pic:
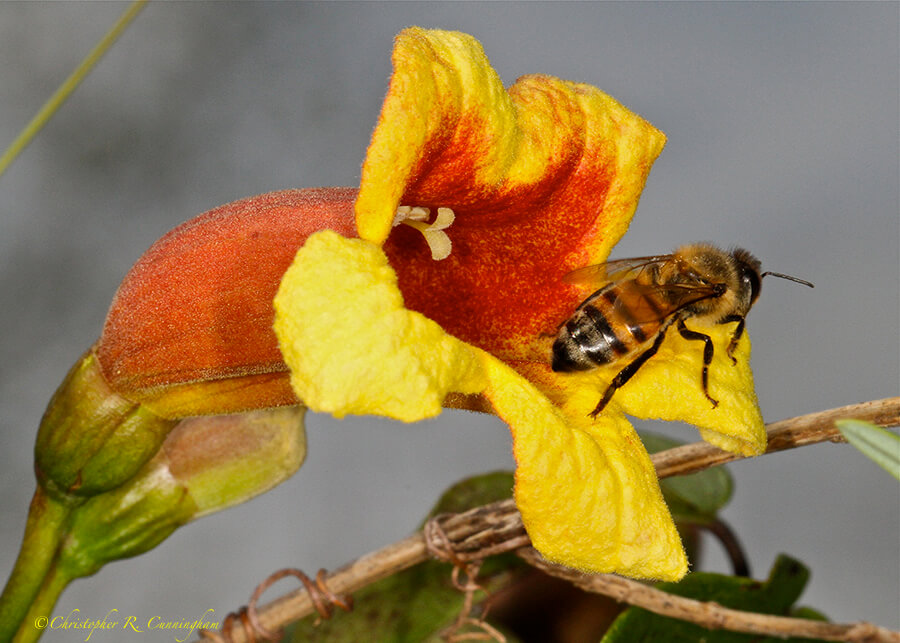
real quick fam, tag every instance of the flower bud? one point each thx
(91, 439)
(205, 464)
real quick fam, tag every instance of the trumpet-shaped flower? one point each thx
(438, 283)
(541, 178)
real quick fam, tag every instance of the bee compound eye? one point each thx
(753, 283)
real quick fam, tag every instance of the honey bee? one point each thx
(641, 298)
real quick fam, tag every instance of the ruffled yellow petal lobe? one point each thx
(351, 345)
(450, 134)
(439, 76)
(587, 491)
(668, 387)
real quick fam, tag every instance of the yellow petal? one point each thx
(668, 387)
(351, 345)
(547, 151)
(439, 76)
(587, 491)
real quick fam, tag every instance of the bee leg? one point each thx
(707, 355)
(628, 372)
(737, 334)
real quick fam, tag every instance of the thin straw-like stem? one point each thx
(63, 91)
(498, 526)
(707, 614)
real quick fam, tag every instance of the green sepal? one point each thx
(126, 522)
(91, 439)
(774, 596)
(205, 464)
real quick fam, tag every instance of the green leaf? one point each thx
(876, 443)
(696, 497)
(808, 613)
(416, 604)
(775, 596)
(409, 607)
(474, 492)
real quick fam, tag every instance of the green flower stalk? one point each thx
(205, 464)
(90, 440)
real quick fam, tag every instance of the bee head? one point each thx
(751, 278)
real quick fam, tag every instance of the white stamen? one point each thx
(435, 237)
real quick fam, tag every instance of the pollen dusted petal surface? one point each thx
(543, 178)
(587, 491)
(351, 345)
(668, 387)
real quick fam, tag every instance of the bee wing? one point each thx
(644, 303)
(615, 270)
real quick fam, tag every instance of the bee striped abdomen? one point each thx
(601, 331)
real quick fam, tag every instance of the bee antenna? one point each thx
(788, 277)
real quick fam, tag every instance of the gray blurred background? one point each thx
(783, 137)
